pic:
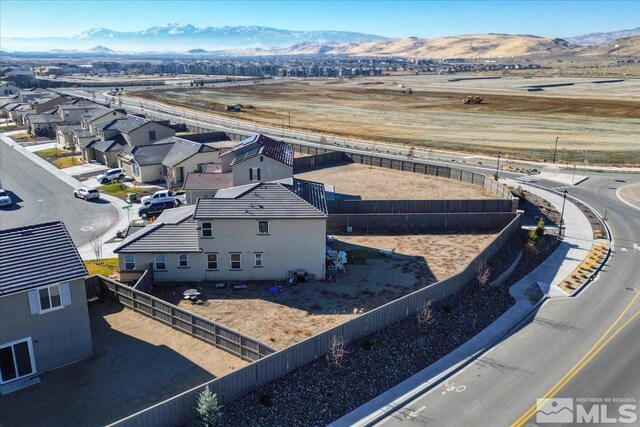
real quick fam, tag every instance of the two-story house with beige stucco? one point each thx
(259, 231)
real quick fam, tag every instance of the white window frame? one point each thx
(231, 261)
(254, 174)
(201, 167)
(155, 262)
(263, 232)
(186, 261)
(202, 229)
(51, 307)
(259, 260)
(31, 356)
(135, 168)
(125, 262)
(216, 261)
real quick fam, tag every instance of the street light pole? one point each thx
(564, 199)
(555, 150)
(498, 167)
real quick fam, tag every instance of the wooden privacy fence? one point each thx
(316, 160)
(418, 206)
(179, 409)
(210, 332)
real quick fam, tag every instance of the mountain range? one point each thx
(253, 40)
(175, 37)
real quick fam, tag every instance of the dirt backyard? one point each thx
(376, 183)
(370, 279)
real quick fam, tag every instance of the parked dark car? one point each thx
(154, 209)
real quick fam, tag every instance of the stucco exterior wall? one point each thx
(140, 136)
(191, 164)
(291, 244)
(270, 170)
(59, 337)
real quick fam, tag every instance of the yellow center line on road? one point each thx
(584, 360)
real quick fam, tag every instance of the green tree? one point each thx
(208, 408)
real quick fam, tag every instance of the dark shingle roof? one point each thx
(301, 199)
(182, 150)
(115, 144)
(203, 138)
(261, 145)
(45, 118)
(146, 155)
(163, 238)
(37, 255)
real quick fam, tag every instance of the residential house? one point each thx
(44, 319)
(41, 105)
(7, 88)
(43, 124)
(259, 231)
(173, 157)
(258, 159)
(205, 184)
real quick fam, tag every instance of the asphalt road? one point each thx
(503, 384)
(39, 197)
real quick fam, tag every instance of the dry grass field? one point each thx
(376, 183)
(370, 280)
(596, 121)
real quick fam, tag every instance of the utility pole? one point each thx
(564, 199)
(574, 175)
(498, 167)
(555, 150)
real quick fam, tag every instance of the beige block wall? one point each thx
(291, 244)
(270, 170)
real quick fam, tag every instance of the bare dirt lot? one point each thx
(597, 121)
(370, 280)
(138, 363)
(376, 183)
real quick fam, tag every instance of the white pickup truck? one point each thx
(163, 196)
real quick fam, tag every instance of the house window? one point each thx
(207, 229)
(160, 262)
(202, 167)
(235, 261)
(212, 261)
(135, 169)
(152, 135)
(183, 260)
(16, 360)
(49, 298)
(258, 259)
(129, 262)
(254, 174)
(263, 227)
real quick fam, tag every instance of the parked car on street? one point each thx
(111, 175)
(86, 193)
(154, 209)
(5, 199)
(163, 196)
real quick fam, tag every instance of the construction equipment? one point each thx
(472, 100)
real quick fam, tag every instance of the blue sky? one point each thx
(393, 19)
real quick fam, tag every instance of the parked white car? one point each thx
(86, 193)
(163, 196)
(111, 174)
(5, 199)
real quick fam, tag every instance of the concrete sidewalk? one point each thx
(560, 264)
(86, 251)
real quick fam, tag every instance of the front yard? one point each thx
(121, 190)
(107, 267)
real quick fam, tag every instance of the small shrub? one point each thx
(424, 316)
(337, 352)
(540, 227)
(208, 408)
(483, 273)
(266, 399)
(533, 235)
(367, 344)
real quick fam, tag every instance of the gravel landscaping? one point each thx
(317, 395)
